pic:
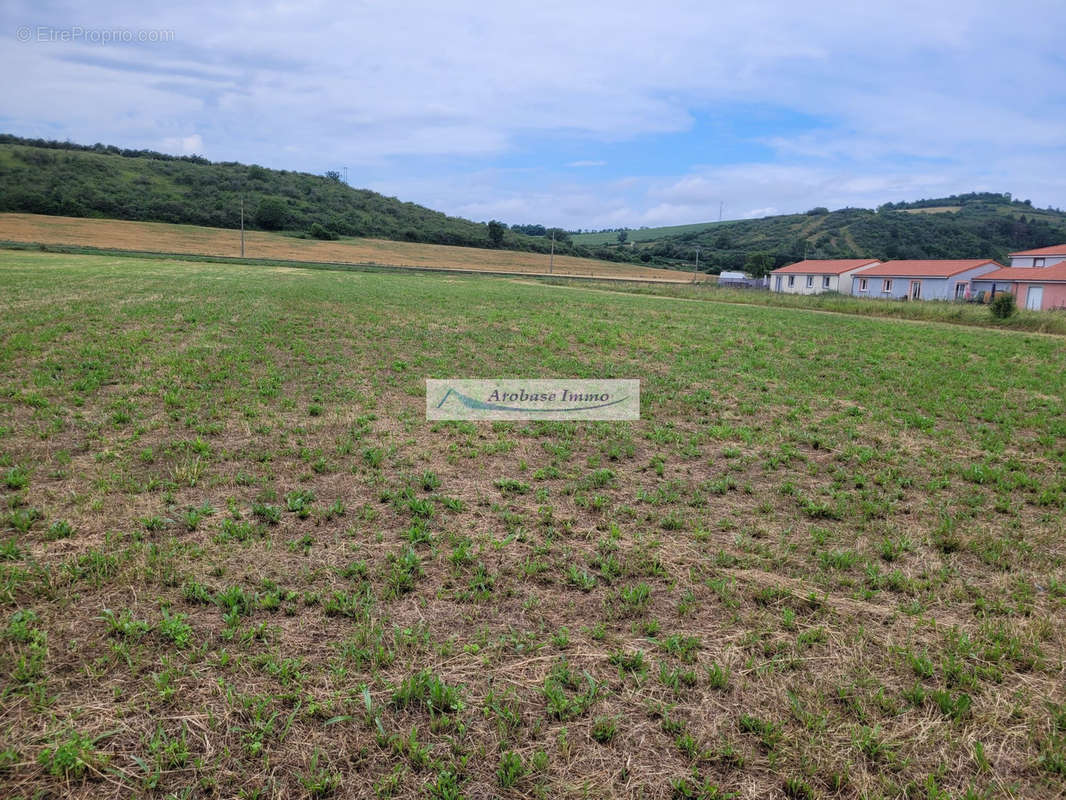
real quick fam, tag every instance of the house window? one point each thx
(886, 285)
(825, 282)
(960, 290)
(791, 281)
(862, 284)
(810, 281)
(1038, 262)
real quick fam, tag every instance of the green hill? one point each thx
(639, 234)
(976, 225)
(104, 181)
(46, 177)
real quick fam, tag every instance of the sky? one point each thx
(584, 115)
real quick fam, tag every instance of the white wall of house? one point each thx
(887, 287)
(1036, 261)
(893, 287)
(813, 284)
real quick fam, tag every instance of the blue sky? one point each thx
(584, 115)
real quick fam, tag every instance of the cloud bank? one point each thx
(592, 115)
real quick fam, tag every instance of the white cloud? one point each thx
(184, 145)
(423, 98)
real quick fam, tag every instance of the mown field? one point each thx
(936, 311)
(641, 234)
(160, 237)
(236, 561)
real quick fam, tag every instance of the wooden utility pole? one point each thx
(242, 226)
(696, 270)
(551, 258)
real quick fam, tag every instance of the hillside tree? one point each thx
(271, 213)
(496, 230)
(759, 264)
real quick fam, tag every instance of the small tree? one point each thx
(623, 235)
(496, 230)
(759, 264)
(271, 214)
(320, 231)
(333, 175)
(1003, 305)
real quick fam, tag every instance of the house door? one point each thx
(1034, 300)
(916, 290)
(777, 284)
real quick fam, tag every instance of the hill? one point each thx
(638, 234)
(976, 225)
(61, 178)
(103, 181)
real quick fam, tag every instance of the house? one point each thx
(726, 278)
(1040, 257)
(741, 280)
(1035, 288)
(934, 279)
(818, 275)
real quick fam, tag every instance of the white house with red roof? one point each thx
(1036, 278)
(815, 276)
(1040, 257)
(930, 279)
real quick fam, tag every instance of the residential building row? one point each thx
(1037, 278)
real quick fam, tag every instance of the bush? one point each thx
(1003, 305)
(496, 231)
(271, 214)
(321, 232)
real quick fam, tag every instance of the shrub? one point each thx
(319, 231)
(1003, 305)
(271, 214)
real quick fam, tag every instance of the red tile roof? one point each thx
(824, 266)
(1053, 274)
(1054, 250)
(931, 268)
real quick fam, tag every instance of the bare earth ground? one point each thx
(236, 561)
(166, 238)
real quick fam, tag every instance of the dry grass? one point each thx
(188, 239)
(839, 553)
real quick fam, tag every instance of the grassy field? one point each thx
(952, 313)
(236, 561)
(166, 238)
(933, 210)
(642, 234)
